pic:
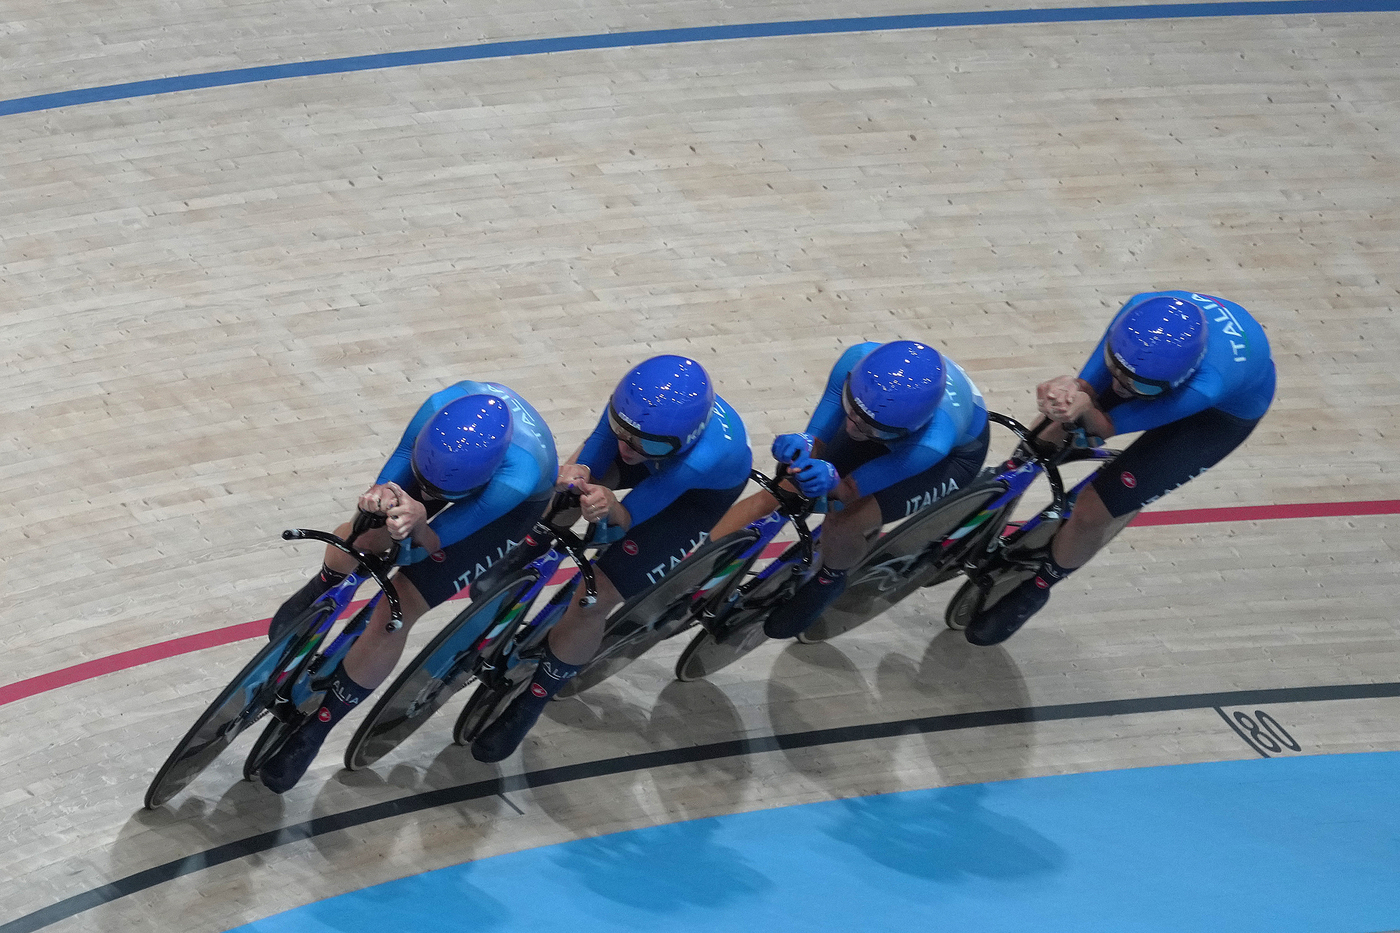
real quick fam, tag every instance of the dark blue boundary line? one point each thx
(447, 796)
(463, 53)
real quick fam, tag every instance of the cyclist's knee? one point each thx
(1090, 513)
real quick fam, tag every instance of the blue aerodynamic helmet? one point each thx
(461, 446)
(895, 388)
(661, 406)
(1156, 346)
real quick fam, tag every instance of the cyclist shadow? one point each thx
(245, 810)
(662, 868)
(453, 825)
(953, 676)
(816, 687)
(946, 835)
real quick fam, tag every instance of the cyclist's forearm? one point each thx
(425, 537)
(618, 516)
(1097, 423)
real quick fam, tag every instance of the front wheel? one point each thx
(662, 610)
(926, 550)
(442, 668)
(240, 704)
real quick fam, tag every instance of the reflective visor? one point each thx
(428, 491)
(652, 446)
(1142, 388)
(881, 432)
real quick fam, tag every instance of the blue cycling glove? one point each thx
(814, 478)
(787, 448)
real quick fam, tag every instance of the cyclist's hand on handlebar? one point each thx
(1063, 399)
(814, 478)
(595, 501)
(788, 448)
(406, 517)
(379, 499)
(572, 475)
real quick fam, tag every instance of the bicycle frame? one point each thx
(1018, 478)
(557, 543)
(791, 508)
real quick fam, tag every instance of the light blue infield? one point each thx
(1278, 845)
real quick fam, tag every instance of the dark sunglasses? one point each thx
(857, 413)
(1142, 388)
(652, 446)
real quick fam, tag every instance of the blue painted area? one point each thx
(1275, 846)
(694, 34)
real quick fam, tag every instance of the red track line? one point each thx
(248, 630)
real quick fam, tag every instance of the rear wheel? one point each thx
(489, 700)
(739, 629)
(442, 668)
(276, 733)
(240, 704)
(919, 553)
(662, 610)
(1024, 551)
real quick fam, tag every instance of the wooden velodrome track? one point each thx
(221, 305)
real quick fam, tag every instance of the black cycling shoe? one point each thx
(995, 625)
(281, 772)
(503, 737)
(796, 615)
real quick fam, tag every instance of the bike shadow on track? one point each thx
(673, 799)
(956, 677)
(813, 687)
(193, 825)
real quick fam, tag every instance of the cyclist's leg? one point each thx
(846, 535)
(374, 654)
(1161, 460)
(642, 558)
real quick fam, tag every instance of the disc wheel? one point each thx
(271, 739)
(489, 700)
(442, 668)
(919, 553)
(986, 590)
(240, 704)
(663, 610)
(740, 630)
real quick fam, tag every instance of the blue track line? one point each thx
(463, 53)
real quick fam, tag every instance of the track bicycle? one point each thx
(680, 600)
(966, 533)
(732, 606)
(490, 642)
(282, 678)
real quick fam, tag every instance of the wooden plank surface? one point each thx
(220, 308)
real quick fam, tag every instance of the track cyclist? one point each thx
(898, 427)
(1191, 371)
(684, 455)
(473, 472)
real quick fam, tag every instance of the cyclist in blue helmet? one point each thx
(899, 426)
(471, 475)
(683, 454)
(1194, 373)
